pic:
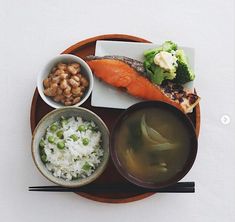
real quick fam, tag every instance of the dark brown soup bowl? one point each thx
(186, 166)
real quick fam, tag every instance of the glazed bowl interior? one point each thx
(64, 58)
(66, 112)
(123, 164)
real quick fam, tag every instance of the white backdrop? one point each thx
(32, 32)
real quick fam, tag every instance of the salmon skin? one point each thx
(127, 73)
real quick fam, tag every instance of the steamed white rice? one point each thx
(76, 159)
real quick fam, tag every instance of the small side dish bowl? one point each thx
(64, 152)
(153, 144)
(66, 59)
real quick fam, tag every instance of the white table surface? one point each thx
(34, 31)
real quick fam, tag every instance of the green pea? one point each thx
(53, 128)
(74, 137)
(81, 128)
(41, 143)
(85, 141)
(60, 145)
(51, 139)
(60, 134)
(86, 166)
(92, 128)
(44, 158)
(64, 122)
(89, 127)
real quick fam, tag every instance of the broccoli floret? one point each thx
(169, 46)
(181, 56)
(156, 74)
(160, 75)
(183, 72)
(152, 52)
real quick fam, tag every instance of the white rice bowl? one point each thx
(76, 160)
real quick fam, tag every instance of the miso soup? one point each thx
(153, 144)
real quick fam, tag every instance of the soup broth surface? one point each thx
(153, 144)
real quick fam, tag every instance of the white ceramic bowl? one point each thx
(55, 115)
(65, 58)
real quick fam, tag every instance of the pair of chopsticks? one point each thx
(180, 187)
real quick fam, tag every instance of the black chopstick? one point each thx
(107, 186)
(180, 187)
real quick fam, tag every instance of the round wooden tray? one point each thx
(39, 108)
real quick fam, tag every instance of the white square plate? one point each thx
(107, 96)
